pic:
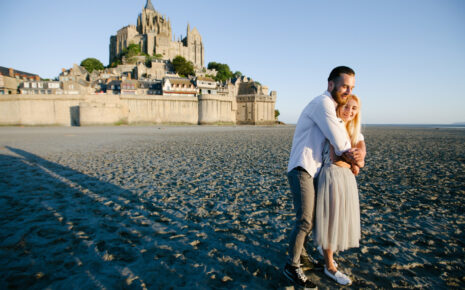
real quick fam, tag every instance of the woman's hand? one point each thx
(355, 169)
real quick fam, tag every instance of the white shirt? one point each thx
(317, 122)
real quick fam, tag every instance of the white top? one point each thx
(317, 122)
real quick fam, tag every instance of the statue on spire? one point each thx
(149, 5)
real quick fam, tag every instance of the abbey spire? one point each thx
(149, 5)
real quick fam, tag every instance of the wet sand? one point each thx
(210, 207)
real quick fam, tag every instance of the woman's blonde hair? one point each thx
(354, 127)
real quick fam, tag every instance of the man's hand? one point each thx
(358, 155)
(355, 156)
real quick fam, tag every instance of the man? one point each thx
(317, 122)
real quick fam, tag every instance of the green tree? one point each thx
(149, 59)
(115, 62)
(224, 72)
(129, 53)
(182, 66)
(132, 50)
(237, 74)
(276, 114)
(91, 64)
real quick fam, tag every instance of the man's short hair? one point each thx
(337, 71)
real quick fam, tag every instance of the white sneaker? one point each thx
(320, 250)
(339, 277)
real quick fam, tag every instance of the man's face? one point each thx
(341, 88)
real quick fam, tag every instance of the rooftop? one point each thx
(6, 72)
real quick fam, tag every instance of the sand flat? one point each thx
(209, 207)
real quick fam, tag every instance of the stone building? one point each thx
(74, 81)
(206, 85)
(10, 80)
(41, 88)
(154, 35)
(179, 87)
(255, 105)
(157, 69)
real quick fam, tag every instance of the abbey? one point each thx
(153, 34)
(141, 88)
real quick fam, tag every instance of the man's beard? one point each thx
(338, 97)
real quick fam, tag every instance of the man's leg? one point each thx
(303, 192)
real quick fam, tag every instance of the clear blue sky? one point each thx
(409, 55)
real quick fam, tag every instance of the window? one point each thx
(53, 85)
(26, 84)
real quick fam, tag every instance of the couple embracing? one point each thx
(327, 152)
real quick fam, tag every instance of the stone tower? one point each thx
(154, 35)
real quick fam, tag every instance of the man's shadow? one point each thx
(60, 227)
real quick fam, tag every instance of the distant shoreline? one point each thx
(425, 126)
(442, 126)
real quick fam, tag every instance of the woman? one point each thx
(337, 218)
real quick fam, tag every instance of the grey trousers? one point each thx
(303, 192)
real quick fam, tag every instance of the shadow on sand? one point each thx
(61, 228)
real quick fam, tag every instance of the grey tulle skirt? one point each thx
(337, 217)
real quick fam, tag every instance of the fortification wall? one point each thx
(161, 109)
(264, 113)
(38, 109)
(101, 110)
(216, 109)
(107, 109)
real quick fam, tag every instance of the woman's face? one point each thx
(349, 110)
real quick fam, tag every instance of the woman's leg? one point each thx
(332, 271)
(329, 260)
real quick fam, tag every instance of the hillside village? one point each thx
(147, 86)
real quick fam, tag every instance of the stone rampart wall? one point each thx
(104, 109)
(161, 109)
(108, 109)
(37, 109)
(216, 109)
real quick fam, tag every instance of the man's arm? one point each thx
(326, 119)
